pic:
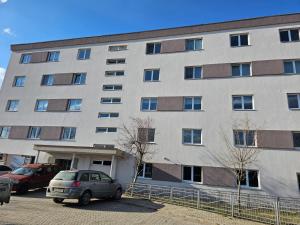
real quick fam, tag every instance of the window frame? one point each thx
(152, 75)
(106, 130)
(194, 44)
(37, 104)
(109, 115)
(81, 79)
(34, 133)
(112, 100)
(113, 87)
(114, 73)
(69, 106)
(49, 76)
(241, 69)
(298, 99)
(293, 61)
(192, 174)
(194, 72)
(8, 105)
(192, 130)
(246, 186)
(239, 39)
(193, 103)
(243, 103)
(118, 48)
(289, 35)
(15, 81)
(28, 57)
(245, 138)
(149, 106)
(295, 132)
(85, 53)
(50, 58)
(7, 129)
(154, 48)
(116, 61)
(69, 134)
(144, 171)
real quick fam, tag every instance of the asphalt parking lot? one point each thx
(34, 209)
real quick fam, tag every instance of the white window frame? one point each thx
(48, 83)
(289, 34)
(154, 48)
(85, 53)
(149, 106)
(55, 57)
(114, 73)
(6, 130)
(113, 87)
(69, 129)
(294, 66)
(243, 103)
(81, 75)
(192, 174)
(192, 135)
(111, 100)
(74, 109)
(37, 104)
(193, 103)
(109, 115)
(194, 73)
(298, 99)
(27, 57)
(239, 39)
(246, 186)
(144, 169)
(241, 69)
(116, 61)
(36, 133)
(245, 138)
(23, 78)
(117, 48)
(16, 108)
(106, 130)
(194, 44)
(152, 74)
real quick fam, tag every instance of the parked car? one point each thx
(4, 169)
(32, 176)
(83, 185)
(5, 189)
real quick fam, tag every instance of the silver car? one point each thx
(5, 190)
(82, 185)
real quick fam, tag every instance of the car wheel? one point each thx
(118, 194)
(85, 198)
(22, 189)
(58, 200)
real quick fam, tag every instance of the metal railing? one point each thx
(261, 208)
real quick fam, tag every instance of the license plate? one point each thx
(61, 190)
(2, 189)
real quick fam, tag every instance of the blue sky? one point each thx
(23, 21)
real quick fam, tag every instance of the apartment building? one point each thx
(65, 101)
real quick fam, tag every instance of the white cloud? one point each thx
(2, 73)
(8, 31)
(3, 1)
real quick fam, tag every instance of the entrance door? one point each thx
(64, 164)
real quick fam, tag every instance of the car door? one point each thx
(95, 184)
(105, 185)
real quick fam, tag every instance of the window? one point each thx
(19, 81)
(289, 35)
(105, 177)
(79, 78)
(115, 61)
(145, 170)
(241, 70)
(106, 163)
(53, 56)
(84, 53)
(238, 40)
(296, 139)
(149, 104)
(47, 80)
(108, 115)
(153, 48)
(193, 44)
(34, 133)
(192, 136)
(151, 75)
(84, 177)
(242, 102)
(250, 179)
(41, 105)
(68, 133)
(192, 72)
(146, 135)
(192, 103)
(117, 48)
(95, 177)
(292, 67)
(294, 101)
(192, 173)
(74, 104)
(106, 129)
(4, 132)
(110, 100)
(115, 73)
(298, 179)
(112, 87)
(244, 138)
(12, 105)
(25, 58)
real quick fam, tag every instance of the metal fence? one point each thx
(261, 208)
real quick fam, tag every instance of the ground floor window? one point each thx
(145, 170)
(101, 162)
(192, 173)
(298, 179)
(250, 179)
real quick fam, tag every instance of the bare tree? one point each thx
(134, 139)
(242, 152)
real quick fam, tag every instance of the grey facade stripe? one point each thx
(267, 67)
(51, 133)
(18, 132)
(57, 105)
(38, 57)
(218, 176)
(275, 139)
(172, 46)
(166, 172)
(172, 103)
(216, 70)
(63, 79)
(229, 25)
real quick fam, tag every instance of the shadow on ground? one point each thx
(36, 193)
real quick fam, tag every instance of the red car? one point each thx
(32, 176)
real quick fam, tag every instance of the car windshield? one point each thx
(66, 175)
(24, 171)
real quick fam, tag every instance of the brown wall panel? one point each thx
(174, 103)
(18, 132)
(217, 70)
(63, 79)
(38, 57)
(166, 172)
(51, 133)
(267, 67)
(173, 46)
(277, 139)
(57, 105)
(218, 176)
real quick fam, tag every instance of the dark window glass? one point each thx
(288, 67)
(148, 170)
(235, 70)
(284, 36)
(197, 174)
(153, 48)
(197, 103)
(245, 69)
(155, 75)
(244, 39)
(248, 102)
(293, 102)
(238, 137)
(151, 135)
(297, 66)
(148, 75)
(237, 102)
(243, 178)
(187, 136)
(84, 177)
(250, 138)
(253, 178)
(188, 74)
(106, 163)
(296, 138)
(188, 103)
(19, 81)
(79, 78)
(47, 80)
(234, 41)
(294, 35)
(141, 170)
(111, 129)
(196, 136)
(298, 178)
(84, 53)
(187, 173)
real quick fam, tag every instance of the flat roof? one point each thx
(228, 25)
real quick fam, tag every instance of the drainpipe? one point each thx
(112, 166)
(72, 162)
(37, 157)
